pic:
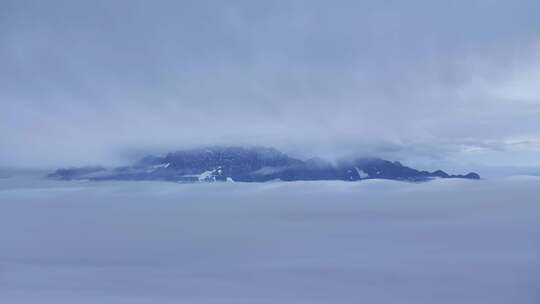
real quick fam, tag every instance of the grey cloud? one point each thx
(87, 81)
(447, 241)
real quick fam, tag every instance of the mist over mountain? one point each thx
(251, 164)
(269, 152)
(422, 82)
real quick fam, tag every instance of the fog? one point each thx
(439, 84)
(449, 85)
(446, 241)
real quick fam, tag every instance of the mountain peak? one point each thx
(251, 164)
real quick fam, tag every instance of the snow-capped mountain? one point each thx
(254, 164)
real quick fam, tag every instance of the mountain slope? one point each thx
(254, 164)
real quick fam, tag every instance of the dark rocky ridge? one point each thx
(250, 165)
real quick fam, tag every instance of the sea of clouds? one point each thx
(446, 241)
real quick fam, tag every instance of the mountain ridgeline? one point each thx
(239, 164)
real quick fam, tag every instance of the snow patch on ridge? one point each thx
(206, 176)
(361, 173)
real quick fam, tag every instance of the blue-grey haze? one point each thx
(447, 241)
(451, 84)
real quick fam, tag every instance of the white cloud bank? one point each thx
(447, 241)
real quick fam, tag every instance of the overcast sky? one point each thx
(453, 82)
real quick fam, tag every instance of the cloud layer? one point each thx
(447, 241)
(417, 80)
